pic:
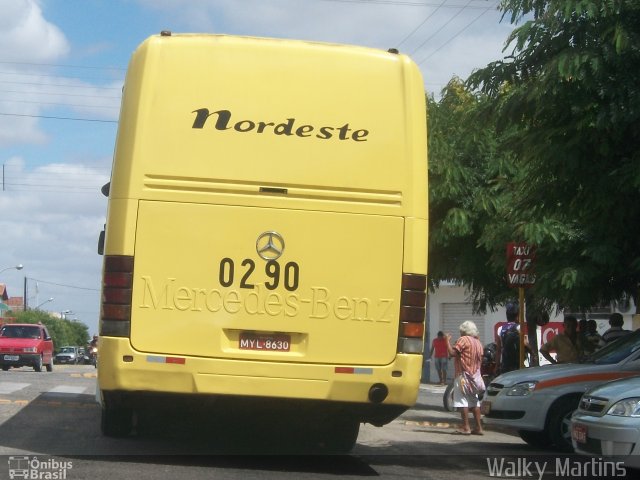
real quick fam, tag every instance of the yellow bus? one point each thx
(266, 234)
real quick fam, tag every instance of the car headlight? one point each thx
(30, 350)
(521, 389)
(629, 407)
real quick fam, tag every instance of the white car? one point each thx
(607, 422)
(538, 402)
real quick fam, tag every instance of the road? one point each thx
(51, 422)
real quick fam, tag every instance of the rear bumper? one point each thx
(65, 360)
(21, 359)
(611, 436)
(128, 374)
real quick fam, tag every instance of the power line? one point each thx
(61, 77)
(49, 117)
(452, 38)
(57, 65)
(423, 22)
(440, 29)
(60, 85)
(63, 285)
(404, 3)
(72, 187)
(66, 191)
(31, 92)
(86, 105)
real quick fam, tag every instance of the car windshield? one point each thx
(617, 351)
(67, 350)
(13, 331)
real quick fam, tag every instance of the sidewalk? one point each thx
(428, 428)
(429, 411)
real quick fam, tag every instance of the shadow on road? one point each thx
(68, 425)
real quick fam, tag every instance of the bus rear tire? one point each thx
(116, 421)
(340, 436)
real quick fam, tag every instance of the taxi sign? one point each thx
(520, 261)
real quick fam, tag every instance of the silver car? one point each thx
(68, 355)
(538, 402)
(607, 422)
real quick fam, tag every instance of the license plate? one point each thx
(485, 407)
(11, 358)
(579, 433)
(270, 343)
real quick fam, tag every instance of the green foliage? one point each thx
(470, 188)
(543, 146)
(63, 332)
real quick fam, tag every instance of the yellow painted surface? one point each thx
(223, 139)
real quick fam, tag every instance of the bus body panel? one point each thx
(199, 283)
(224, 139)
(203, 376)
(330, 124)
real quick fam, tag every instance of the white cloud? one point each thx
(51, 219)
(26, 38)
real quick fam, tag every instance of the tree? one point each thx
(469, 188)
(566, 103)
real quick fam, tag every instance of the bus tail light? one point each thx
(413, 312)
(117, 284)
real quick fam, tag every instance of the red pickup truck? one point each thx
(25, 344)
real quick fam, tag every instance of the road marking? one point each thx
(11, 387)
(4, 401)
(67, 389)
(85, 375)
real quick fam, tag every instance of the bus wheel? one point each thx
(116, 421)
(340, 436)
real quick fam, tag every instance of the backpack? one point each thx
(510, 358)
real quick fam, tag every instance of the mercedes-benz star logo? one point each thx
(270, 245)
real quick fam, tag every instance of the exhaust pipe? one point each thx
(378, 393)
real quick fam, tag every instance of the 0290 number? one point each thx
(288, 275)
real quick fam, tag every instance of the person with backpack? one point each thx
(508, 342)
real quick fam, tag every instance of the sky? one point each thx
(62, 68)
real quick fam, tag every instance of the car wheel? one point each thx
(116, 421)
(535, 439)
(38, 365)
(5, 368)
(447, 398)
(559, 423)
(49, 366)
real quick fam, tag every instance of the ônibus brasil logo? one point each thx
(32, 468)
